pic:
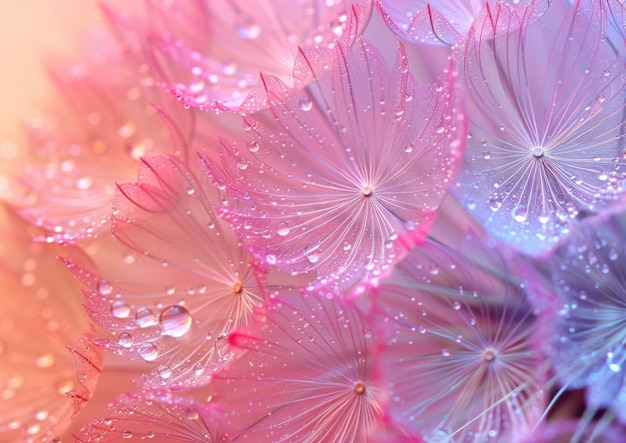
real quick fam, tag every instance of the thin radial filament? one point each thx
(359, 388)
(238, 287)
(537, 152)
(366, 191)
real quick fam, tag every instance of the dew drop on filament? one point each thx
(175, 321)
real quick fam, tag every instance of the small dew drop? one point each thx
(125, 340)
(445, 352)
(270, 259)
(253, 146)
(148, 352)
(164, 372)
(495, 204)
(175, 321)
(127, 434)
(306, 104)
(282, 229)
(520, 213)
(104, 287)
(119, 309)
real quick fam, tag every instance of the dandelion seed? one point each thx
(560, 152)
(339, 173)
(309, 360)
(460, 359)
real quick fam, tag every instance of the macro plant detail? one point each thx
(543, 147)
(322, 221)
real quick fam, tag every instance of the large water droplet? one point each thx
(247, 28)
(537, 151)
(148, 352)
(120, 309)
(175, 321)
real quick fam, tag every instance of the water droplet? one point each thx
(520, 213)
(253, 146)
(306, 104)
(433, 270)
(247, 28)
(537, 151)
(544, 218)
(125, 340)
(282, 229)
(601, 98)
(270, 259)
(119, 309)
(495, 204)
(613, 255)
(445, 352)
(127, 434)
(408, 149)
(456, 305)
(148, 352)
(145, 318)
(164, 372)
(366, 191)
(104, 287)
(347, 246)
(312, 252)
(175, 321)
(487, 155)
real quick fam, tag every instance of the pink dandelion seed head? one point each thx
(545, 105)
(340, 177)
(203, 284)
(304, 371)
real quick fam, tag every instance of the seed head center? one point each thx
(489, 355)
(359, 388)
(238, 288)
(366, 191)
(537, 152)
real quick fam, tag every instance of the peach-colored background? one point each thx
(32, 31)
